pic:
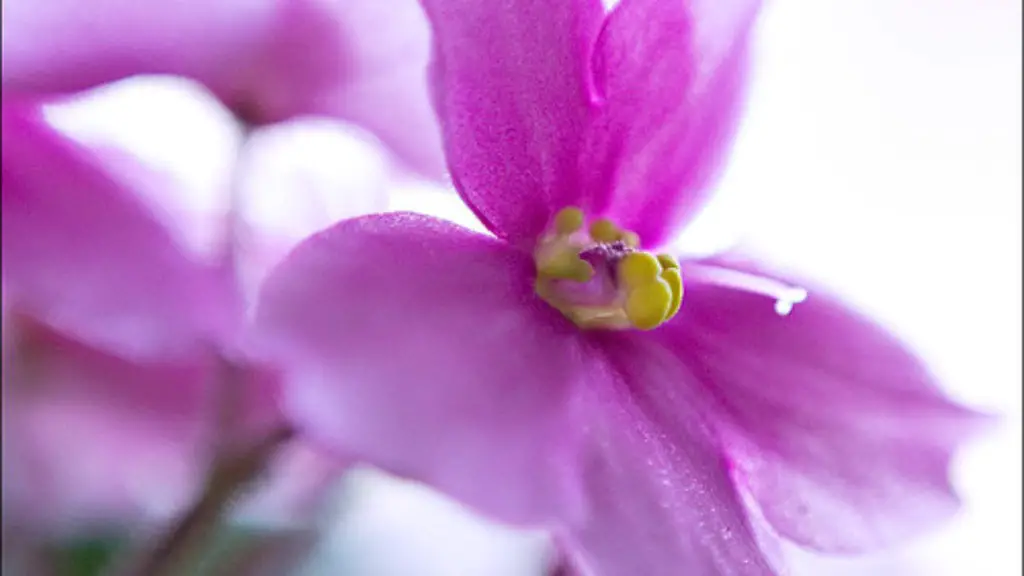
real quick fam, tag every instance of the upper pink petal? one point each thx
(82, 252)
(511, 90)
(268, 60)
(419, 346)
(839, 432)
(660, 496)
(671, 75)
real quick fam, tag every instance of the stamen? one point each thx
(785, 295)
(604, 230)
(613, 284)
(568, 221)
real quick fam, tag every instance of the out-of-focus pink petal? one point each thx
(92, 438)
(295, 488)
(82, 253)
(301, 156)
(421, 347)
(387, 49)
(671, 75)
(511, 89)
(65, 46)
(299, 474)
(268, 60)
(838, 431)
(661, 498)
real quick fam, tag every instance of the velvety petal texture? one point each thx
(268, 60)
(670, 76)
(419, 346)
(660, 496)
(510, 84)
(838, 431)
(82, 253)
(544, 107)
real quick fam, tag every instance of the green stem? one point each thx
(179, 546)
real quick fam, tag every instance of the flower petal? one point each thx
(839, 432)
(93, 438)
(267, 60)
(672, 74)
(511, 90)
(83, 254)
(386, 90)
(661, 499)
(421, 347)
(90, 437)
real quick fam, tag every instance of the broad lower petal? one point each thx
(82, 253)
(511, 88)
(419, 346)
(839, 432)
(671, 75)
(661, 498)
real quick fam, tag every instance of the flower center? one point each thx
(599, 278)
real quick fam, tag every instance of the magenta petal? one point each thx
(90, 437)
(263, 57)
(420, 346)
(672, 75)
(838, 431)
(268, 60)
(385, 92)
(661, 498)
(511, 90)
(83, 254)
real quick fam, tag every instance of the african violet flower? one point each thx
(268, 60)
(112, 334)
(565, 372)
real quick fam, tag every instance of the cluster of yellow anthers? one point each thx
(649, 288)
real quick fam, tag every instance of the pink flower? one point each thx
(563, 372)
(268, 60)
(114, 337)
(83, 253)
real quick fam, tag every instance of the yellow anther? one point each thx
(674, 280)
(647, 306)
(638, 268)
(632, 239)
(568, 220)
(567, 266)
(605, 231)
(668, 261)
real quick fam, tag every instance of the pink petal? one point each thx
(672, 74)
(387, 50)
(510, 82)
(662, 501)
(90, 437)
(420, 346)
(837, 429)
(83, 254)
(268, 60)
